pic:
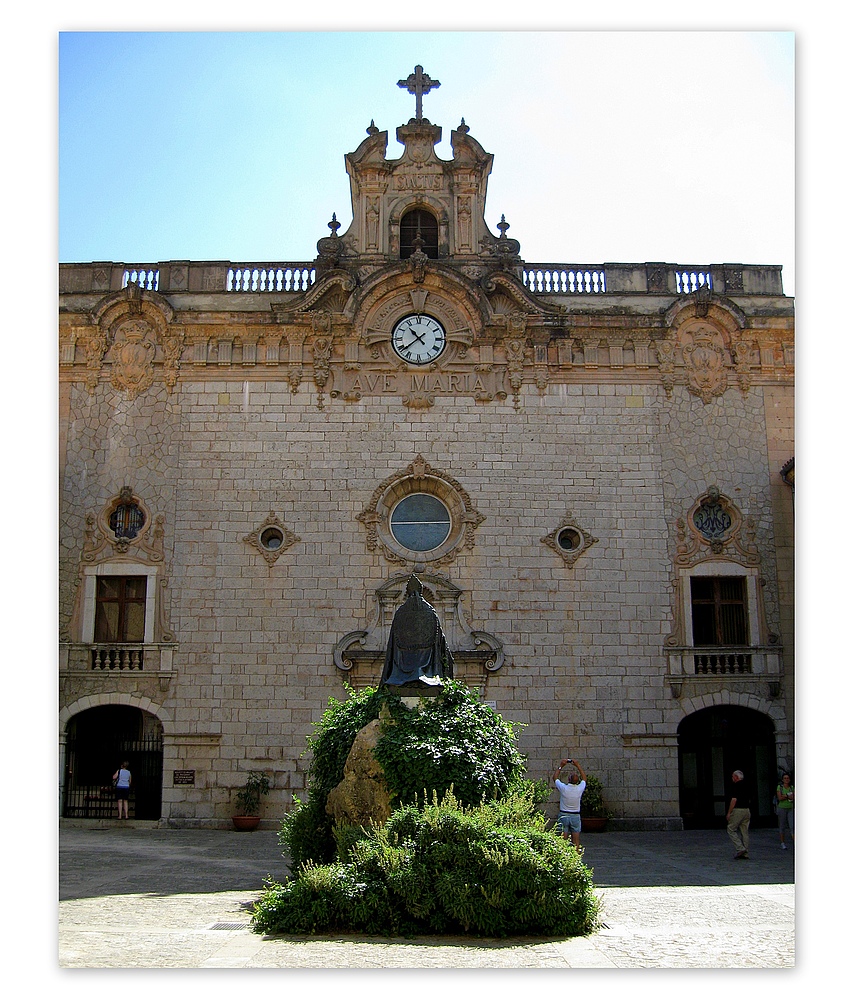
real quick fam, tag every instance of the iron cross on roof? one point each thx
(419, 83)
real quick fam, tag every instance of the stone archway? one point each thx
(98, 740)
(712, 743)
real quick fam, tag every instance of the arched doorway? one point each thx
(98, 741)
(714, 742)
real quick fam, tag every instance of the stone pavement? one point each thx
(133, 896)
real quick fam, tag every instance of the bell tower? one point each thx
(417, 202)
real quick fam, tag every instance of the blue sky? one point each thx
(609, 146)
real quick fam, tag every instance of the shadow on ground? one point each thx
(122, 861)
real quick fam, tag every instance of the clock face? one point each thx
(418, 339)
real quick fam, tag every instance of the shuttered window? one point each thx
(719, 610)
(120, 609)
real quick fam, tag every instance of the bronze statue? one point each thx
(417, 651)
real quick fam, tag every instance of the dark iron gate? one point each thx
(714, 742)
(98, 742)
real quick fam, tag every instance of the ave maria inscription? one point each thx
(419, 388)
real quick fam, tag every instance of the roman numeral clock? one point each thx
(418, 339)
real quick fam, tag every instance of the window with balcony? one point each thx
(720, 622)
(719, 610)
(120, 609)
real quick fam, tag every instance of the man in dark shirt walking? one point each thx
(738, 816)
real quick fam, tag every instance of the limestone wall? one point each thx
(584, 665)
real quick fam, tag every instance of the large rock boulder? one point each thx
(362, 798)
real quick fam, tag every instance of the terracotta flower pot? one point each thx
(245, 822)
(593, 824)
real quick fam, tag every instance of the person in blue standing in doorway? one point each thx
(571, 791)
(123, 779)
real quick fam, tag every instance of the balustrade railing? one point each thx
(145, 275)
(269, 277)
(729, 662)
(564, 279)
(540, 279)
(687, 281)
(116, 657)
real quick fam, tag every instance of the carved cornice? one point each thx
(511, 286)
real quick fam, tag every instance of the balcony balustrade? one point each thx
(117, 659)
(723, 663)
(539, 279)
(704, 667)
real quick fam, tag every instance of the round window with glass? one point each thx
(420, 522)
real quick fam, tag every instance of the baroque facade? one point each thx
(589, 468)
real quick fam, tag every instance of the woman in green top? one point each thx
(786, 796)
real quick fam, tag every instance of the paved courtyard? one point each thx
(137, 897)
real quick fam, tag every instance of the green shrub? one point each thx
(490, 870)
(453, 741)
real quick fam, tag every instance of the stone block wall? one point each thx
(584, 656)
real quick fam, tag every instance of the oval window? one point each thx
(126, 520)
(420, 522)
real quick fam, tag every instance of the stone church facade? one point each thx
(589, 467)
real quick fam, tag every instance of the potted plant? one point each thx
(594, 811)
(247, 801)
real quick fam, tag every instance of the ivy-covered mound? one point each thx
(491, 870)
(452, 741)
(464, 851)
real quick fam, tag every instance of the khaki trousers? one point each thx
(738, 828)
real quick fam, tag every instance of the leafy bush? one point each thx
(453, 741)
(440, 867)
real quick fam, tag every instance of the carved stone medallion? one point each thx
(132, 357)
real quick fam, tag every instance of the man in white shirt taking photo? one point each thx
(569, 812)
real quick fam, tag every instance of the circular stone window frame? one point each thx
(569, 526)
(272, 526)
(126, 498)
(420, 478)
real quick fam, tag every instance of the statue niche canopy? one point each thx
(417, 654)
